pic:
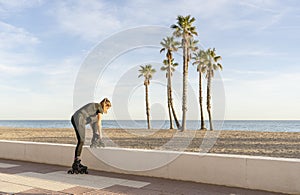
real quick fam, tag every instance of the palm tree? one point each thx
(170, 45)
(169, 66)
(201, 60)
(185, 30)
(147, 71)
(193, 47)
(212, 65)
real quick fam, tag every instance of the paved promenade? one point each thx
(17, 177)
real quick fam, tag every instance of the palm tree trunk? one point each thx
(147, 106)
(208, 99)
(169, 108)
(170, 90)
(172, 106)
(175, 117)
(200, 102)
(184, 87)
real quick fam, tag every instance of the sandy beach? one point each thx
(272, 144)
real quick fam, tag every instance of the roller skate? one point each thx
(97, 143)
(77, 167)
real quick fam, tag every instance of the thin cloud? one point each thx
(66, 66)
(254, 53)
(248, 72)
(260, 5)
(254, 16)
(269, 97)
(9, 7)
(89, 20)
(16, 50)
(92, 19)
(13, 89)
(13, 70)
(15, 37)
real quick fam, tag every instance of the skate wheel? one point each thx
(81, 172)
(70, 172)
(86, 172)
(76, 172)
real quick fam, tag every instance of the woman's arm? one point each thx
(99, 123)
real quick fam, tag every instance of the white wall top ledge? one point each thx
(165, 151)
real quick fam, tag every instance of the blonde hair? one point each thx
(105, 102)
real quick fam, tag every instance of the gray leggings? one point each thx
(79, 127)
(80, 139)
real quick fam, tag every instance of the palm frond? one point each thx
(147, 71)
(163, 68)
(192, 19)
(220, 66)
(193, 31)
(166, 62)
(184, 26)
(217, 58)
(174, 26)
(211, 62)
(203, 69)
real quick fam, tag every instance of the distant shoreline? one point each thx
(239, 125)
(272, 144)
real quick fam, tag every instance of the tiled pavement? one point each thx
(17, 177)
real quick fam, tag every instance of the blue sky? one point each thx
(43, 44)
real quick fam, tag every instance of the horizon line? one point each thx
(152, 120)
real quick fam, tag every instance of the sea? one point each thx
(240, 125)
